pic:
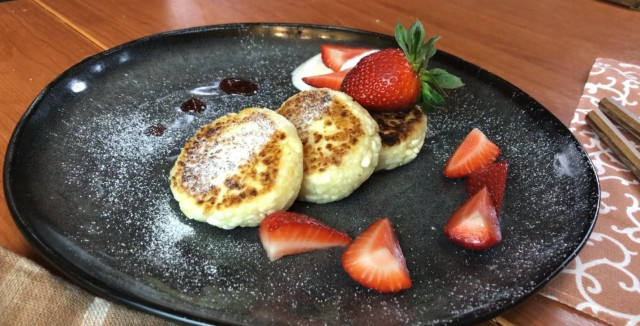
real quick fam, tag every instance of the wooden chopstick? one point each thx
(621, 115)
(619, 144)
(633, 4)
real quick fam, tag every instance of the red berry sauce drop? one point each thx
(238, 86)
(193, 105)
(156, 130)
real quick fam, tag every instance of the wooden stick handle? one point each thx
(621, 115)
(633, 4)
(621, 147)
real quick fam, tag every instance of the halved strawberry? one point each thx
(475, 224)
(374, 259)
(332, 80)
(474, 153)
(286, 233)
(494, 177)
(334, 56)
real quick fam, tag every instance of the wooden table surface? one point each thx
(545, 47)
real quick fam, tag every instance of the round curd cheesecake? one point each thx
(340, 143)
(238, 169)
(402, 134)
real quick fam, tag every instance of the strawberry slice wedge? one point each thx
(374, 259)
(332, 80)
(494, 177)
(334, 56)
(287, 233)
(475, 224)
(475, 152)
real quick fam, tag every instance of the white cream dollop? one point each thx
(314, 67)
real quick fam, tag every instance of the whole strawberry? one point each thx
(383, 81)
(395, 79)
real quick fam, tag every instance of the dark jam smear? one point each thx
(193, 105)
(156, 130)
(238, 86)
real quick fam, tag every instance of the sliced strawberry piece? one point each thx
(332, 80)
(494, 177)
(474, 153)
(334, 56)
(374, 259)
(475, 224)
(287, 233)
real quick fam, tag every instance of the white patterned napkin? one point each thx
(604, 280)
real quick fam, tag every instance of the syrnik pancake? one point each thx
(402, 134)
(238, 169)
(340, 143)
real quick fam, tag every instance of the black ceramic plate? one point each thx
(89, 189)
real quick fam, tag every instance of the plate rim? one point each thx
(100, 288)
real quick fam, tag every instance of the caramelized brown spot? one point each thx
(396, 126)
(211, 132)
(232, 182)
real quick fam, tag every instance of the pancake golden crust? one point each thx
(402, 134)
(239, 168)
(322, 150)
(340, 143)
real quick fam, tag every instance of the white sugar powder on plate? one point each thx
(167, 230)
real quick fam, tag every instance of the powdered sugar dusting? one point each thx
(167, 232)
(209, 162)
(305, 108)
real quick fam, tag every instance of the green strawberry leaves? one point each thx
(401, 38)
(430, 49)
(430, 98)
(418, 53)
(445, 79)
(416, 37)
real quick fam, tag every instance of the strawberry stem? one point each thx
(418, 53)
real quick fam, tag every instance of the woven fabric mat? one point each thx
(31, 296)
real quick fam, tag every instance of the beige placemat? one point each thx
(31, 296)
(604, 280)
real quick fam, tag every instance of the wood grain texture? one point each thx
(35, 47)
(633, 4)
(615, 111)
(544, 47)
(541, 311)
(624, 150)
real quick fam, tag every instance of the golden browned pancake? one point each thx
(340, 143)
(402, 134)
(238, 169)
